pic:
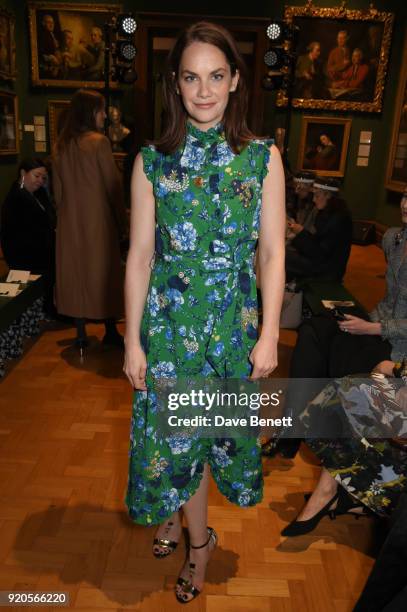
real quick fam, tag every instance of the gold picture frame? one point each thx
(9, 131)
(62, 52)
(324, 145)
(396, 172)
(349, 76)
(56, 111)
(7, 46)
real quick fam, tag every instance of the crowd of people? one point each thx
(205, 195)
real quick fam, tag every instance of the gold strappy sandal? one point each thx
(168, 545)
(186, 585)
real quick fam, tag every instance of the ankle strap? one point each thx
(210, 532)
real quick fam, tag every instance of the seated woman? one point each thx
(27, 228)
(324, 253)
(328, 348)
(366, 467)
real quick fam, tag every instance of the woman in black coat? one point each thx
(324, 253)
(27, 227)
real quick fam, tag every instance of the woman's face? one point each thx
(204, 83)
(324, 140)
(100, 117)
(34, 179)
(321, 198)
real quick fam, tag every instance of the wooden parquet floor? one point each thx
(64, 429)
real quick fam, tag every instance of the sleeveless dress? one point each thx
(200, 317)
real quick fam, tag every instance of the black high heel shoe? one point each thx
(347, 504)
(187, 588)
(297, 528)
(81, 344)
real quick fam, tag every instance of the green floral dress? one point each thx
(200, 317)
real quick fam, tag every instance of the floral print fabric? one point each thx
(200, 317)
(372, 470)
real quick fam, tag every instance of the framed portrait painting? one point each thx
(324, 145)
(67, 43)
(7, 46)
(9, 143)
(341, 58)
(396, 174)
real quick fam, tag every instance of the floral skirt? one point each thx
(373, 470)
(165, 472)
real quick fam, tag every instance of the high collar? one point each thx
(208, 137)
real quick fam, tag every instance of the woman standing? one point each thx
(91, 220)
(197, 196)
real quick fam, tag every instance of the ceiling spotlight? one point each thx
(126, 51)
(275, 31)
(126, 24)
(274, 58)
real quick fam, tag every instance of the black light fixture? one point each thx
(272, 81)
(273, 58)
(126, 24)
(276, 31)
(124, 74)
(126, 51)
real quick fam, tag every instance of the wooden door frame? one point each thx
(151, 24)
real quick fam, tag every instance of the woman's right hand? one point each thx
(135, 367)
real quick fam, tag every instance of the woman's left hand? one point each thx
(263, 358)
(355, 325)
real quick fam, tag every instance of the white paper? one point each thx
(364, 150)
(362, 161)
(9, 290)
(39, 120)
(40, 133)
(28, 128)
(18, 276)
(34, 277)
(331, 304)
(365, 137)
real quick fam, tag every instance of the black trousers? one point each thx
(386, 587)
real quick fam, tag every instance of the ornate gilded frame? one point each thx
(401, 103)
(344, 150)
(33, 7)
(11, 45)
(14, 103)
(54, 107)
(342, 13)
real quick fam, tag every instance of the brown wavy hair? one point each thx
(237, 133)
(80, 118)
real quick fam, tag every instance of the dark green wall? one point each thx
(363, 187)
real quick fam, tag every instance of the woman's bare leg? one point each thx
(323, 492)
(196, 514)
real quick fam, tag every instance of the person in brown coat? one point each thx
(91, 220)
